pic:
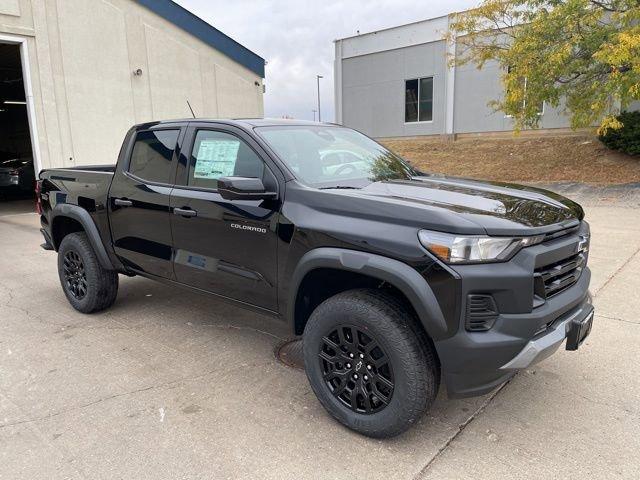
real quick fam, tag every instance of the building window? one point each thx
(418, 100)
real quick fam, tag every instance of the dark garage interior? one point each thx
(17, 174)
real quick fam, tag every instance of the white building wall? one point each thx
(82, 57)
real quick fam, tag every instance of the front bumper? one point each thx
(474, 363)
(527, 328)
(548, 342)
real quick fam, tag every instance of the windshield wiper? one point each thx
(340, 187)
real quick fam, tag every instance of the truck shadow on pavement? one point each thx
(192, 322)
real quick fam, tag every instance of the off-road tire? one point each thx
(101, 284)
(387, 320)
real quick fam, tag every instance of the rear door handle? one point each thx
(121, 202)
(185, 212)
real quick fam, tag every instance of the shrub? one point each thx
(627, 138)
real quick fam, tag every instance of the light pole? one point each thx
(318, 77)
(314, 115)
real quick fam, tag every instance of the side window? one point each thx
(152, 156)
(218, 154)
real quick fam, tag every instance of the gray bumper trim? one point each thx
(542, 347)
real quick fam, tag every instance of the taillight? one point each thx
(14, 172)
(38, 197)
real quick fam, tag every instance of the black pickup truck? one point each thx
(396, 279)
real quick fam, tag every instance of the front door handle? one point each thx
(122, 202)
(185, 212)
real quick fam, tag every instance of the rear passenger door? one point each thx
(226, 247)
(139, 200)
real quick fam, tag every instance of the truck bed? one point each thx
(86, 186)
(89, 168)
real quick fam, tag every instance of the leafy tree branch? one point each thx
(582, 56)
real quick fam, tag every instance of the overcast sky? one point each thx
(296, 38)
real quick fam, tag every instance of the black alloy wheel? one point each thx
(369, 363)
(356, 369)
(75, 275)
(87, 285)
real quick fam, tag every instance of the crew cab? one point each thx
(397, 280)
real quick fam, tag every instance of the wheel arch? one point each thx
(365, 268)
(68, 219)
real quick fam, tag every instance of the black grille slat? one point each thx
(562, 268)
(557, 277)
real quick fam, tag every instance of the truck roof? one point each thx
(240, 122)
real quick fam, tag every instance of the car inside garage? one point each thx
(17, 171)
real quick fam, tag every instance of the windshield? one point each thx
(329, 157)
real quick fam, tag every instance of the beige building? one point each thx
(76, 74)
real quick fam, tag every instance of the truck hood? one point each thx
(496, 208)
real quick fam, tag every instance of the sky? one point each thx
(295, 37)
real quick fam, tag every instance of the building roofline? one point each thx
(373, 32)
(210, 35)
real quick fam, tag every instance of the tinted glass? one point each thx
(426, 99)
(219, 154)
(411, 101)
(324, 156)
(152, 156)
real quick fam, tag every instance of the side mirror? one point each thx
(243, 188)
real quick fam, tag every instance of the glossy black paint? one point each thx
(213, 246)
(140, 214)
(250, 251)
(228, 247)
(244, 188)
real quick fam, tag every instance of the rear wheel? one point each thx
(88, 286)
(368, 363)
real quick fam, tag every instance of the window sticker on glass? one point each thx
(216, 158)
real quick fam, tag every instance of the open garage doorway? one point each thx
(17, 168)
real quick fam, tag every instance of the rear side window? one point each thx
(152, 156)
(218, 154)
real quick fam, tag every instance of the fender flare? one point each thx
(394, 272)
(82, 216)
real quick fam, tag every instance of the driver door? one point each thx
(226, 247)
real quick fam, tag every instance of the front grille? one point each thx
(481, 313)
(553, 279)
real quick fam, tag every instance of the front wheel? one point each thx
(88, 286)
(368, 363)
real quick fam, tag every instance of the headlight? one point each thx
(474, 248)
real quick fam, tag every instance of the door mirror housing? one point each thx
(243, 188)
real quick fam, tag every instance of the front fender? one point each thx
(394, 272)
(82, 216)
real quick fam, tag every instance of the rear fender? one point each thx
(82, 216)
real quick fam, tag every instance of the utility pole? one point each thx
(318, 77)
(314, 115)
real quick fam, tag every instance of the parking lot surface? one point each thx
(171, 384)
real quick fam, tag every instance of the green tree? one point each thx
(583, 55)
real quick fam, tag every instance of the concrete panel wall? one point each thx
(10, 7)
(634, 107)
(82, 57)
(94, 54)
(373, 90)
(475, 89)
(166, 99)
